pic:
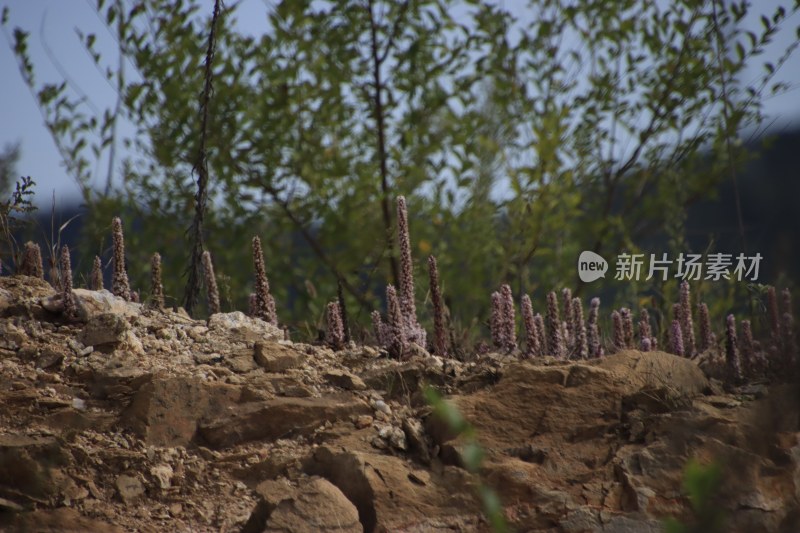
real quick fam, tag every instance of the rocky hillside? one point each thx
(128, 419)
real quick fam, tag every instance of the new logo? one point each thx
(591, 266)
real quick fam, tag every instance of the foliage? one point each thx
(9, 157)
(13, 217)
(519, 138)
(701, 484)
(473, 455)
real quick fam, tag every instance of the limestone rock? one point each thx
(277, 418)
(239, 327)
(275, 357)
(163, 474)
(240, 363)
(106, 328)
(6, 300)
(94, 303)
(415, 436)
(61, 520)
(315, 506)
(402, 379)
(129, 488)
(166, 412)
(27, 464)
(383, 489)
(656, 370)
(344, 380)
(22, 295)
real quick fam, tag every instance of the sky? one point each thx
(55, 47)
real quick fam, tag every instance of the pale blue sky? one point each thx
(53, 23)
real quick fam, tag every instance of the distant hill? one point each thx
(769, 189)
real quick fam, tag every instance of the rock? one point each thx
(197, 333)
(344, 380)
(598, 445)
(544, 374)
(270, 494)
(50, 358)
(757, 390)
(530, 400)
(278, 463)
(241, 364)
(22, 295)
(403, 379)
(28, 464)
(722, 402)
(113, 375)
(581, 520)
(297, 390)
(433, 361)
(363, 421)
(72, 492)
(277, 418)
(415, 436)
(275, 357)
(210, 359)
(384, 490)
(163, 474)
(25, 286)
(580, 375)
(624, 524)
(482, 379)
(657, 382)
(8, 505)
(6, 300)
(61, 520)
(654, 370)
(106, 328)
(315, 506)
(95, 303)
(382, 407)
(398, 439)
(238, 327)
(129, 488)
(414, 350)
(53, 303)
(166, 412)
(92, 304)
(11, 336)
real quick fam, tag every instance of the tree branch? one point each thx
(201, 167)
(314, 244)
(381, 127)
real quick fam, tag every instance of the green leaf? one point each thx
(472, 455)
(700, 481)
(740, 53)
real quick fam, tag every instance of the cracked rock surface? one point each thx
(128, 419)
